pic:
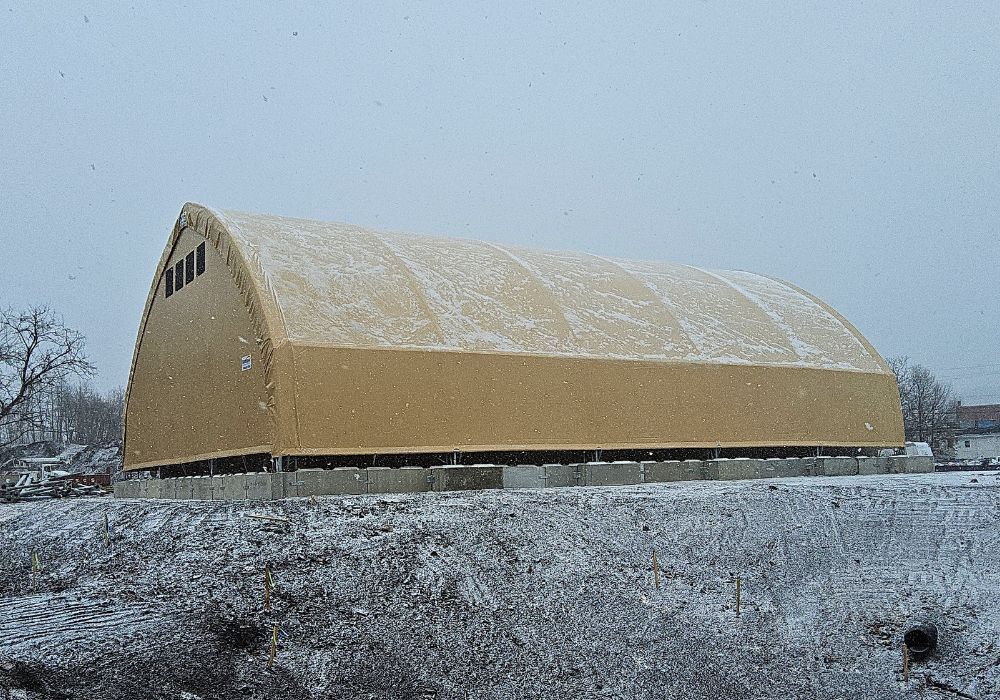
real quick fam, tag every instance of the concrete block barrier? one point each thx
(127, 489)
(612, 474)
(467, 478)
(901, 464)
(524, 476)
(734, 469)
(216, 489)
(149, 488)
(688, 470)
(671, 470)
(541, 476)
(402, 480)
(836, 466)
(263, 486)
(326, 482)
(562, 475)
(806, 464)
(200, 488)
(783, 468)
(168, 489)
(234, 487)
(896, 464)
(291, 483)
(873, 465)
(917, 464)
(184, 488)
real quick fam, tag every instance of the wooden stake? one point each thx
(274, 647)
(36, 569)
(739, 586)
(906, 663)
(656, 571)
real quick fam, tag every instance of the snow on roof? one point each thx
(343, 285)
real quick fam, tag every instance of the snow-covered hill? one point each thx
(512, 594)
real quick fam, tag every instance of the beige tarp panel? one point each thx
(185, 402)
(382, 342)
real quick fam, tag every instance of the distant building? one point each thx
(978, 445)
(978, 431)
(984, 417)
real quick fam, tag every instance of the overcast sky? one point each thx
(852, 149)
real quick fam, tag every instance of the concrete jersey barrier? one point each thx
(263, 486)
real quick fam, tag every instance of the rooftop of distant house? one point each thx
(979, 419)
(983, 411)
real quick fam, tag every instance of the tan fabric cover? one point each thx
(384, 342)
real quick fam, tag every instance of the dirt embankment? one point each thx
(510, 594)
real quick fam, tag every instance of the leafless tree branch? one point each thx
(38, 353)
(928, 404)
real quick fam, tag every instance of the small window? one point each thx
(179, 275)
(200, 267)
(967, 444)
(189, 271)
(170, 281)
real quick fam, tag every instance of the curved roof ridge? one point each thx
(848, 326)
(539, 282)
(794, 343)
(258, 267)
(656, 297)
(418, 291)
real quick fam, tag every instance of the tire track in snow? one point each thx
(46, 620)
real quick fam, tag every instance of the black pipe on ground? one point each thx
(920, 639)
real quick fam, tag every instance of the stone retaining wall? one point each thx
(346, 481)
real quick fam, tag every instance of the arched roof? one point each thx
(367, 342)
(342, 285)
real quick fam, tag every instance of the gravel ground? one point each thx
(511, 594)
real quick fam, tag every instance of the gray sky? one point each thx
(852, 149)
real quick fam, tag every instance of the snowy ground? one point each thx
(512, 594)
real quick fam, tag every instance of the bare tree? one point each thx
(88, 417)
(928, 405)
(38, 353)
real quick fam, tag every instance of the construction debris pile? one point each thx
(32, 486)
(765, 589)
(76, 459)
(45, 470)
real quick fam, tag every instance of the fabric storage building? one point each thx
(283, 337)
